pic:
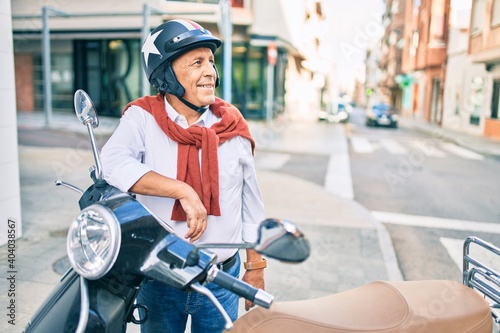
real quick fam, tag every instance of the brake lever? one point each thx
(205, 291)
(59, 182)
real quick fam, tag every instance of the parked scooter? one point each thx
(434, 306)
(115, 243)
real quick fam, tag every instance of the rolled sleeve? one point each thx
(253, 205)
(122, 155)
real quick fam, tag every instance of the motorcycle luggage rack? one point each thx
(481, 276)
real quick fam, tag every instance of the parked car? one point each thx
(338, 115)
(381, 114)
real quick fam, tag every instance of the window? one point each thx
(395, 7)
(109, 70)
(476, 100)
(495, 13)
(478, 8)
(414, 43)
(61, 78)
(495, 99)
(416, 6)
(238, 3)
(200, 1)
(435, 105)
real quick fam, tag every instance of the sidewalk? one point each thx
(479, 144)
(349, 247)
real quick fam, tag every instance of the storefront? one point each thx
(109, 70)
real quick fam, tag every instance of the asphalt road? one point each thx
(390, 174)
(409, 174)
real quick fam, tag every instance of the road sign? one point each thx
(272, 53)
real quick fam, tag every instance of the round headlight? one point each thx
(94, 240)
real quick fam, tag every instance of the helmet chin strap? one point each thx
(171, 85)
(199, 109)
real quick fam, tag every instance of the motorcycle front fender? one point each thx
(61, 310)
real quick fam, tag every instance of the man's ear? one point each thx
(217, 79)
(172, 84)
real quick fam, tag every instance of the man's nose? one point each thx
(210, 70)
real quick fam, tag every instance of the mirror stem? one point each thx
(226, 246)
(94, 150)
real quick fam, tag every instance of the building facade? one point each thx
(391, 48)
(450, 63)
(424, 58)
(95, 46)
(465, 81)
(484, 49)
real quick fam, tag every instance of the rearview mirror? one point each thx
(280, 239)
(85, 109)
(277, 239)
(87, 114)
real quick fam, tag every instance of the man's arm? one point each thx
(254, 277)
(154, 184)
(121, 157)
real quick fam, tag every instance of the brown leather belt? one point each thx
(227, 264)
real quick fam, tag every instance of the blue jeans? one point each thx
(169, 307)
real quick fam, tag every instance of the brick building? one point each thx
(424, 58)
(484, 48)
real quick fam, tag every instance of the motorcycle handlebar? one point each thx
(240, 288)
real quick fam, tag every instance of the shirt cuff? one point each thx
(250, 231)
(125, 177)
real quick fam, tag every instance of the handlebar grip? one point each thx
(243, 289)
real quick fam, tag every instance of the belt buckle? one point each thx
(227, 263)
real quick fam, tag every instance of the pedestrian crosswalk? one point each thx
(427, 147)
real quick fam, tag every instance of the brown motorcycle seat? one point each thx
(435, 306)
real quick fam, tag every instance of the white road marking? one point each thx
(454, 247)
(462, 152)
(428, 148)
(393, 147)
(436, 222)
(338, 179)
(270, 161)
(361, 145)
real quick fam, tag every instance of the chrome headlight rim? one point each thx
(74, 242)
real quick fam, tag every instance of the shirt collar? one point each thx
(181, 120)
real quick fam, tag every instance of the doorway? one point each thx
(109, 71)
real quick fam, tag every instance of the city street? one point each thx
(404, 171)
(376, 203)
(407, 179)
(292, 159)
(428, 193)
(404, 175)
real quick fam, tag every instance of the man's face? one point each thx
(196, 73)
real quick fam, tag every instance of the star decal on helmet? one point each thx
(149, 46)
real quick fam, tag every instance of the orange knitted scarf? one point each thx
(193, 138)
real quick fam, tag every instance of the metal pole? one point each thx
(270, 94)
(47, 81)
(145, 88)
(227, 31)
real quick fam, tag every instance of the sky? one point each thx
(355, 26)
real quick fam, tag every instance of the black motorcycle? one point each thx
(115, 243)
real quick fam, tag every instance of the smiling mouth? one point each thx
(206, 85)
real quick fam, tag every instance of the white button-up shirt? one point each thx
(139, 145)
